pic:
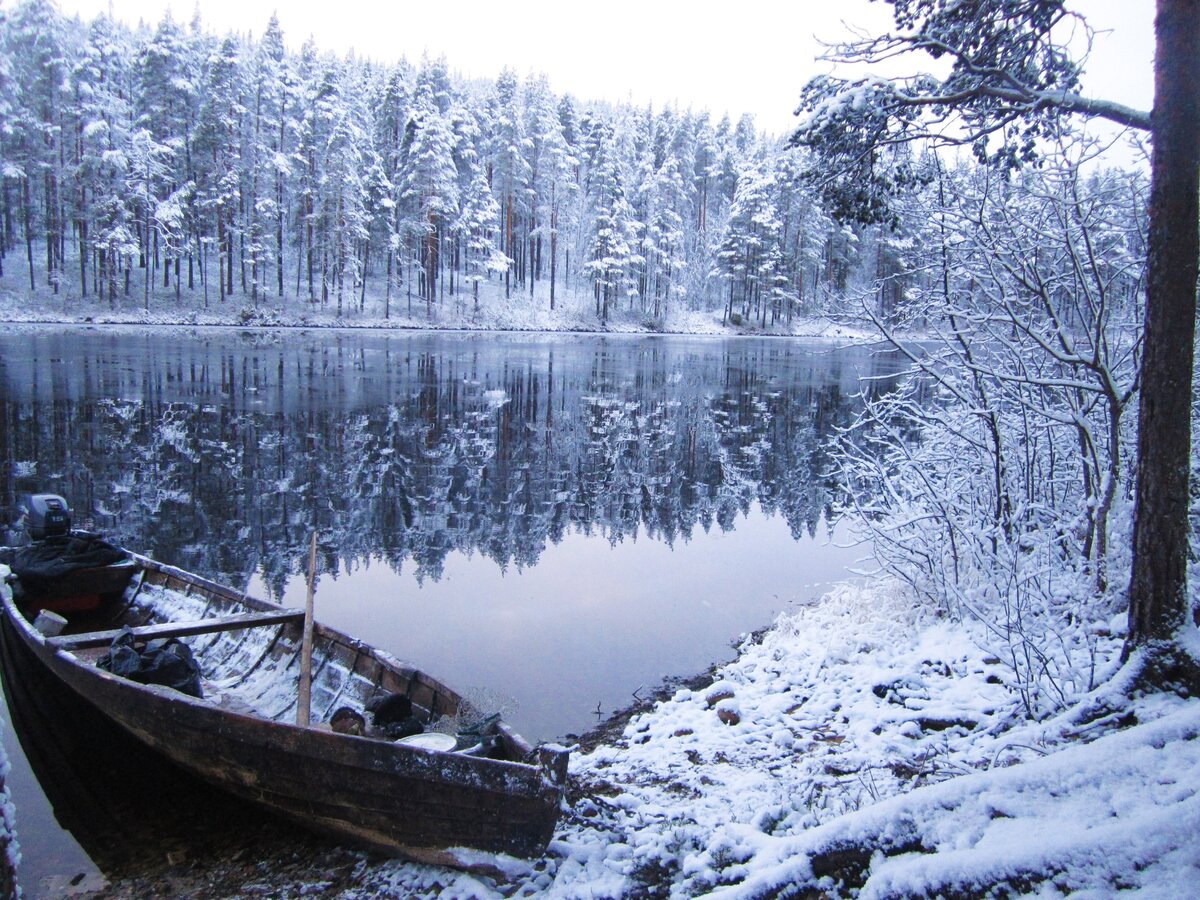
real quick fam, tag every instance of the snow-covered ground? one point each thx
(866, 746)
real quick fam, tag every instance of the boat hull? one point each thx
(410, 802)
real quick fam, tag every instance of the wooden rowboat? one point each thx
(500, 796)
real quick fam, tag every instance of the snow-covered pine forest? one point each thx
(169, 165)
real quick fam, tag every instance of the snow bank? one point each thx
(1122, 811)
(843, 703)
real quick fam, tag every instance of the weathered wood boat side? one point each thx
(404, 800)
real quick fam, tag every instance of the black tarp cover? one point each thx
(40, 565)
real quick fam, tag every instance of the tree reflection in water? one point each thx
(219, 450)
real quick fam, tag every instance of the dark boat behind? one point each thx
(497, 795)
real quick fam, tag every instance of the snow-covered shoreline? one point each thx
(865, 743)
(839, 334)
(497, 316)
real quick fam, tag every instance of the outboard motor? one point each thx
(44, 515)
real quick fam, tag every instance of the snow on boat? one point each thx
(432, 801)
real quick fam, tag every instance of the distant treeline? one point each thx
(141, 164)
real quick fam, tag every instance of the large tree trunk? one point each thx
(1158, 601)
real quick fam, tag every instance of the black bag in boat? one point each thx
(42, 565)
(392, 716)
(167, 661)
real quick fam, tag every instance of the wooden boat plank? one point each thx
(176, 629)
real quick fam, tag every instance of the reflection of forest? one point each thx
(220, 452)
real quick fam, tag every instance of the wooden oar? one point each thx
(304, 701)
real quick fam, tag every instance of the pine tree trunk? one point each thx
(166, 260)
(1158, 600)
(279, 211)
(362, 293)
(245, 222)
(553, 256)
(308, 244)
(252, 221)
(221, 255)
(204, 269)
(229, 252)
(48, 184)
(387, 296)
(279, 236)
(508, 245)
(29, 233)
(83, 258)
(100, 273)
(149, 268)
(8, 234)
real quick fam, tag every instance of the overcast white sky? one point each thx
(731, 56)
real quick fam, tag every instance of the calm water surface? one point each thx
(555, 522)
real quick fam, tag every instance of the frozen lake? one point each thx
(557, 520)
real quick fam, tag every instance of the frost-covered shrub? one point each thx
(997, 481)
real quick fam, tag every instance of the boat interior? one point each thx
(249, 654)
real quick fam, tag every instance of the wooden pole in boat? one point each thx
(304, 700)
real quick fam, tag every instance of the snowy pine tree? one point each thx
(429, 186)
